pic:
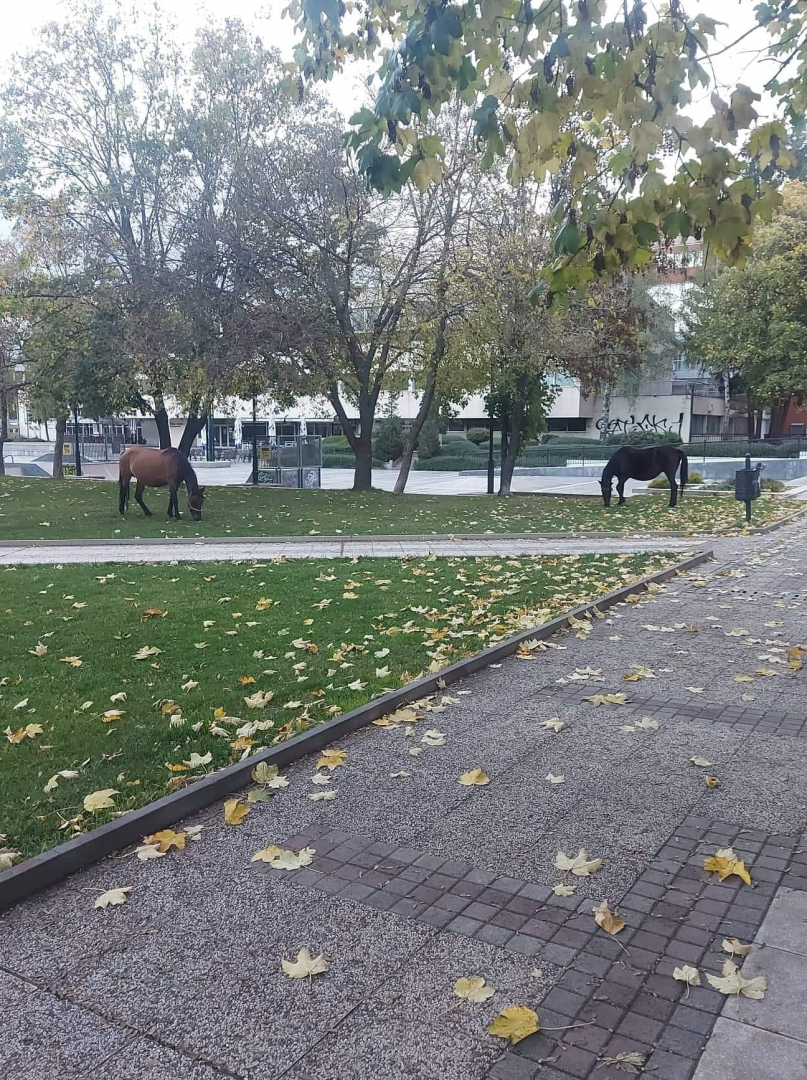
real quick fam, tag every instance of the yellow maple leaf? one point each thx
(235, 811)
(608, 920)
(166, 839)
(113, 897)
(474, 778)
(99, 800)
(733, 982)
(581, 865)
(515, 1023)
(473, 988)
(725, 863)
(331, 759)
(73, 661)
(305, 965)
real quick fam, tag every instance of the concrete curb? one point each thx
(51, 866)
(402, 538)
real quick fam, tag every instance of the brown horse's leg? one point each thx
(139, 498)
(173, 502)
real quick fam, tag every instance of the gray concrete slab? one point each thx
(783, 1010)
(785, 925)
(738, 1052)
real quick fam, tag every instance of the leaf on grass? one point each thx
(235, 811)
(7, 857)
(733, 982)
(581, 865)
(196, 761)
(305, 965)
(735, 947)
(64, 774)
(564, 890)
(145, 651)
(331, 759)
(473, 988)
(113, 897)
(515, 1023)
(725, 863)
(153, 613)
(606, 919)
(259, 700)
(474, 778)
(110, 715)
(39, 650)
(71, 661)
(99, 800)
(688, 974)
(30, 731)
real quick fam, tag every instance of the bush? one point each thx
(662, 481)
(478, 435)
(444, 463)
(740, 447)
(389, 443)
(429, 438)
(335, 442)
(566, 440)
(346, 461)
(766, 485)
(638, 437)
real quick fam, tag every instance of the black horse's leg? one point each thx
(620, 490)
(673, 488)
(139, 498)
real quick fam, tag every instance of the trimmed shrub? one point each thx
(662, 481)
(478, 435)
(346, 461)
(639, 437)
(766, 485)
(389, 442)
(336, 443)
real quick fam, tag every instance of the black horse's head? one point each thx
(605, 488)
(195, 500)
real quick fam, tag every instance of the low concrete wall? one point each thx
(715, 469)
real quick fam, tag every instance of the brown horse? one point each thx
(158, 468)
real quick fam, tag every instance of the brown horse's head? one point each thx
(195, 500)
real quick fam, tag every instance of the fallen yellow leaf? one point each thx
(474, 778)
(473, 988)
(608, 920)
(725, 863)
(305, 965)
(515, 1023)
(235, 811)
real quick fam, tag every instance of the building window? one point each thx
(798, 430)
(261, 431)
(287, 429)
(223, 434)
(566, 423)
(703, 424)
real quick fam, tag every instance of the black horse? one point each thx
(644, 463)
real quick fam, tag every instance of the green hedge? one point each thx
(346, 461)
(740, 447)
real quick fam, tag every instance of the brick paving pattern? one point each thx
(619, 989)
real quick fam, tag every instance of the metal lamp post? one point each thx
(254, 439)
(491, 466)
(77, 441)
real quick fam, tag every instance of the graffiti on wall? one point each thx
(647, 423)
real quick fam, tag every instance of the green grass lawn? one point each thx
(40, 509)
(321, 637)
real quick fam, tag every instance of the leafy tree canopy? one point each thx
(557, 82)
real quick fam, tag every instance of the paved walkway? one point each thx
(417, 881)
(187, 550)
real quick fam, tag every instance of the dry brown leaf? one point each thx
(608, 920)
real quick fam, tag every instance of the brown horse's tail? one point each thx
(684, 470)
(124, 476)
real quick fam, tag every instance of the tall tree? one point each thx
(750, 324)
(93, 113)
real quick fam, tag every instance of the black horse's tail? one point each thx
(684, 470)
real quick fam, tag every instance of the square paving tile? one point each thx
(739, 1052)
(785, 925)
(783, 1010)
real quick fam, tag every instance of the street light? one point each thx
(491, 466)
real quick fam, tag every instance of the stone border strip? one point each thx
(45, 869)
(737, 717)
(402, 538)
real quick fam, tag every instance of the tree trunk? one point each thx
(724, 424)
(414, 432)
(194, 425)
(47, 434)
(58, 448)
(605, 419)
(778, 413)
(515, 419)
(363, 473)
(161, 418)
(3, 430)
